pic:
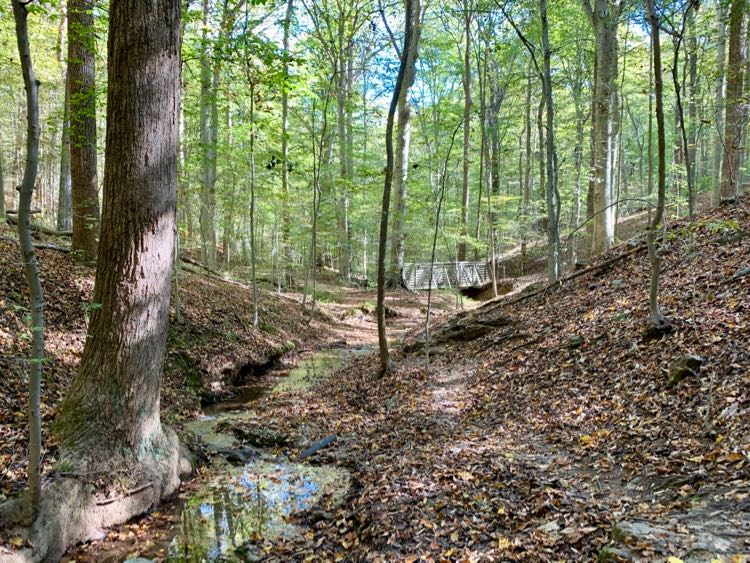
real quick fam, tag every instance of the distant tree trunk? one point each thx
(82, 92)
(110, 416)
(31, 269)
(64, 193)
(2, 190)
(228, 238)
(692, 135)
(253, 245)
(745, 154)
(730, 169)
(285, 144)
(650, 148)
(685, 152)
(209, 124)
(342, 211)
(401, 157)
(552, 193)
(721, 41)
(467, 132)
(578, 152)
(526, 192)
(604, 17)
(541, 190)
(659, 322)
(385, 362)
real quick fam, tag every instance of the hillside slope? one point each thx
(547, 428)
(212, 346)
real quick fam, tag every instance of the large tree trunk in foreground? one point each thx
(82, 113)
(730, 169)
(111, 413)
(110, 418)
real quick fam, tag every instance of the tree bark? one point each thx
(730, 169)
(604, 17)
(82, 92)
(110, 416)
(401, 157)
(31, 269)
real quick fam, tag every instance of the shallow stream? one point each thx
(258, 495)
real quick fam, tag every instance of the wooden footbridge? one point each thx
(446, 275)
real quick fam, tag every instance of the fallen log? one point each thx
(43, 245)
(40, 228)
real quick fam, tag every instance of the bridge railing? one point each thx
(445, 275)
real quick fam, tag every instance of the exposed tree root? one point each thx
(70, 511)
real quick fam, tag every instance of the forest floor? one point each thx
(544, 428)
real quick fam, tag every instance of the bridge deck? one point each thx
(446, 275)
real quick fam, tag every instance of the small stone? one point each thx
(684, 367)
(549, 527)
(618, 283)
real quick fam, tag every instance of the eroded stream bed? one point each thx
(252, 490)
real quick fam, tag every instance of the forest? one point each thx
(375, 280)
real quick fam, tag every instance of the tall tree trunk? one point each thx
(31, 269)
(552, 193)
(526, 193)
(285, 144)
(730, 169)
(659, 322)
(342, 211)
(721, 41)
(385, 361)
(401, 157)
(209, 120)
(82, 92)
(64, 194)
(604, 17)
(467, 132)
(110, 416)
(253, 245)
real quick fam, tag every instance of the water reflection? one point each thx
(248, 504)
